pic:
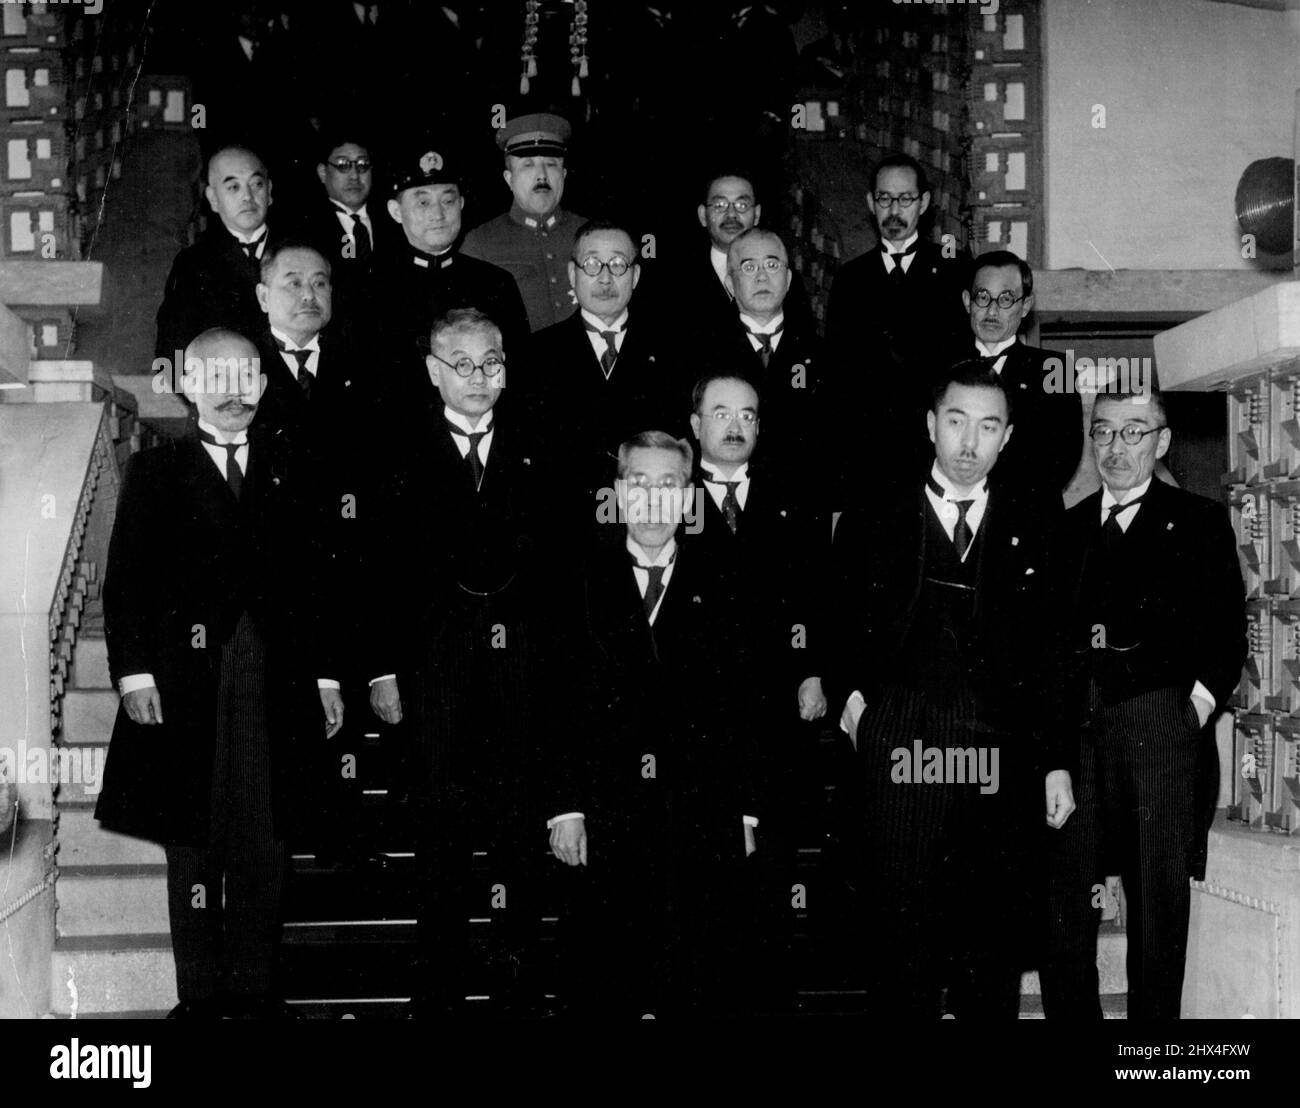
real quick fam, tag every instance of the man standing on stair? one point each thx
(209, 604)
(1156, 638)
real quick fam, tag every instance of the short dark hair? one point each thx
(592, 226)
(463, 319)
(341, 135)
(1000, 259)
(975, 373)
(1153, 396)
(741, 172)
(657, 440)
(901, 161)
(702, 386)
(274, 249)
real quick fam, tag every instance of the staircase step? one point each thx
(112, 904)
(1112, 970)
(83, 776)
(83, 842)
(135, 977)
(88, 716)
(90, 663)
(1112, 1007)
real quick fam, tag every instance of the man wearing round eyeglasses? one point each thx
(533, 241)
(454, 646)
(1156, 638)
(895, 316)
(603, 373)
(1047, 447)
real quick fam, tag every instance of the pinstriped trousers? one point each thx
(1136, 797)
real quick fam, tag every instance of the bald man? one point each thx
(225, 704)
(213, 283)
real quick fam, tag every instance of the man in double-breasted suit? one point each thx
(940, 669)
(212, 283)
(457, 650)
(659, 778)
(894, 317)
(1156, 637)
(1045, 451)
(210, 611)
(604, 373)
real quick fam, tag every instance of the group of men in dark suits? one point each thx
(510, 549)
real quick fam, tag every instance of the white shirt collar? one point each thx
(665, 555)
(979, 493)
(751, 324)
(741, 474)
(890, 248)
(341, 208)
(240, 437)
(312, 343)
(484, 424)
(247, 237)
(718, 259)
(619, 324)
(997, 348)
(1108, 498)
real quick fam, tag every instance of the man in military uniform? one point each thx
(533, 241)
(428, 277)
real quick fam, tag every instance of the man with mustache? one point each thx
(213, 282)
(1046, 448)
(895, 316)
(605, 371)
(761, 531)
(533, 241)
(942, 640)
(1153, 595)
(215, 648)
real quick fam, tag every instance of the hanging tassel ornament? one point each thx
(578, 45)
(531, 25)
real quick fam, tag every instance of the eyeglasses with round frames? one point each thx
(719, 205)
(345, 165)
(491, 365)
(592, 265)
(982, 298)
(1131, 433)
(888, 200)
(773, 265)
(746, 417)
(641, 481)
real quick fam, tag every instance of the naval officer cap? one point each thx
(426, 164)
(532, 135)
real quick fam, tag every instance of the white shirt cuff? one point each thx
(385, 677)
(550, 823)
(749, 821)
(1197, 690)
(326, 683)
(134, 682)
(856, 703)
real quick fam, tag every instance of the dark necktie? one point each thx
(961, 532)
(1111, 528)
(234, 475)
(730, 505)
(302, 357)
(364, 246)
(654, 587)
(765, 343)
(610, 356)
(475, 437)
(898, 274)
(250, 248)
